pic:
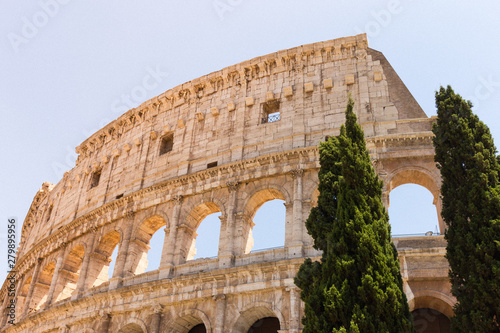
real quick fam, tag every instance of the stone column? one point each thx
(55, 278)
(227, 252)
(167, 260)
(439, 205)
(82, 280)
(294, 310)
(118, 273)
(156, 318)
(295, 248)
(385, 200)
(136, 248)
(34, 279)
(105, 321)
(220, 313)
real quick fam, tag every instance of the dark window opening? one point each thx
(119, 196)
(200, 328)
(270, 112)
(166, 144)
(211, 165)
(265, 325)
(94, 181)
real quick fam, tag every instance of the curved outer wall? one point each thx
(154, 167)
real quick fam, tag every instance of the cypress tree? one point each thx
(466, 156)
(357, 285)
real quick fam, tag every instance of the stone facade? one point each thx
(226, 142)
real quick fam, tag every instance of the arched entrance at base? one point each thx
(265, 325)
(428, 320)
(200, 328)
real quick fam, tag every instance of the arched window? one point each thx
(69, 274)
(41, 290)
(146, 247)
(206, 244)
(200, 233)
(103, 259)
(411, 211)
(269, 229)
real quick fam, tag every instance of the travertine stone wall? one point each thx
(227, 156)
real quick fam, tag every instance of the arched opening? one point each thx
(21, 298)
(190, 322)
(131, 328)
(200, 328)
(42, 286)
(264, 221)
(103, 259)
(69, 273)
(428, 320)
(150, 235)
(412, 211)
(411, 194)
(265, 325)
(269, 225)
(258, 319)
(207, 214)
(206, 243)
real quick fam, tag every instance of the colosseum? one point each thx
(226, 142)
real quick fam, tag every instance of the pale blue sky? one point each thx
(64, 75)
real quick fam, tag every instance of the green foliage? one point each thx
(357, 285)
(470, 191)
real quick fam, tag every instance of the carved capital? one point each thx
(219, 297)
(177, 198)
(232, 186)
(130, 214)
(157, 308)
(297, 173)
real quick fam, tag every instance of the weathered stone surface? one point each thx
(226, 142)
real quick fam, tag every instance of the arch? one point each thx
(252, 313)
(42, 286)
(413, 174)
(69, 273)
(134, 325)
(254, 202)
(98, 269)
(187, 231)
(263, 193)
(139, 245)
(431, 299)
(188, 319)
(21, 298)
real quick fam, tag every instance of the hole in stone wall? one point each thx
(94, 180)
(270, 112)
(119, 196)
(269, 229)
(154, 254)
(211, 165)
(411, 211)
(112, 263)
(166, 143)
(207, 241)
